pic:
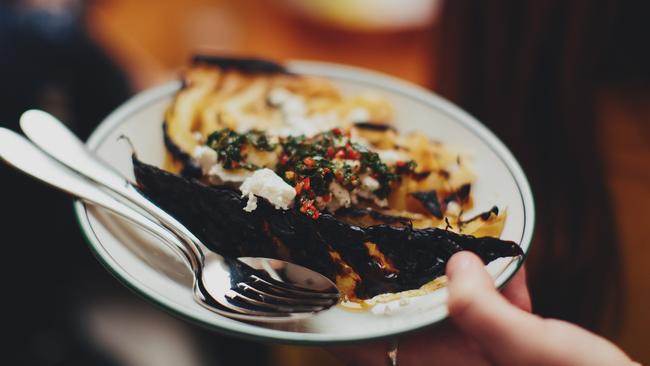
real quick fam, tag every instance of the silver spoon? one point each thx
(215, 286)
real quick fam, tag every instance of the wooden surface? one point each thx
(152, 40)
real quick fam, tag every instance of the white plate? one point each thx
(159, 275)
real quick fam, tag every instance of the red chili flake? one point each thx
(284, 159)
(351, 153)
(311, 194)
(400, 164)
(306, 184)
(336, 131)
(327, 197)
(309, 162)
(299, 187)
(330, 152)
(308, 208)
(340, 154)
(326, 170)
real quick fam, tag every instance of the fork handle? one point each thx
(53, 137)
(23, 155)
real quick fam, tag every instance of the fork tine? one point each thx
(232, 306)
(294, 290)
(234, 295)
(266, 293)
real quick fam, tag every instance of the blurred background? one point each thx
(565, 84)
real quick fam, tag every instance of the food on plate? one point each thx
(266, 163)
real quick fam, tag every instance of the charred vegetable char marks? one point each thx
(376, 259)
(244, 65)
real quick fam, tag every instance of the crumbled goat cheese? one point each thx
(277, 96)
(295, 118)
(266, 184)
(340, 197)
(369, 183)
(453, 208)
(368, 186)
(358, 115)
(205, 157)
(198, 137)
(294, 106)
(390, 157)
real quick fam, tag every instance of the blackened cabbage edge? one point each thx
(215, 215)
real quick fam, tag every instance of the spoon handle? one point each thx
(18, 152)
(53, 137)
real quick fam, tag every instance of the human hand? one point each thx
(489, 328)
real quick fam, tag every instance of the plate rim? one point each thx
(326, 69)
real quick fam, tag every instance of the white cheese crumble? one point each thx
(205, 157)
(295, 115)
(453, 208)
(340, 197)
(277, 96)
(358, 115)
(369, 183)
(198, 137)
(265, 183)
(390, 157)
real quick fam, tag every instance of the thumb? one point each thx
(477, 308)
(509, 335)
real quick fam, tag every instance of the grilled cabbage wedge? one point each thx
(369, 247)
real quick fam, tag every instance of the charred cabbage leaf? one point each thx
(363, 261)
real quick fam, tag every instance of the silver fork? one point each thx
(245, 293)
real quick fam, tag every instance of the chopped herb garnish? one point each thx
(312, 164)
(231, 147)
(228, 145)
(260, 141)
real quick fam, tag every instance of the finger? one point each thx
(516, 291)
(473, 303)
(482, 313)
(509, 335)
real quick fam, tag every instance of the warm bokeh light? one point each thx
(518, 68)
